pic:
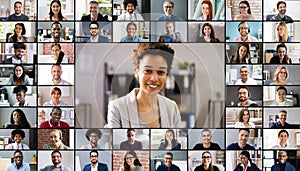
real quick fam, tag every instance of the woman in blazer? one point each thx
(143, 107)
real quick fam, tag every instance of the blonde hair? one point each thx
(276, 73)
(285, 36)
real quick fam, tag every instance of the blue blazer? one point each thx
(288, 167)
(100, 39)
(101, 167)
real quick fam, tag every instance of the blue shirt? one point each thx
(13, 167)
(278, 125)
(235, 146)
(164, 17)
(164, 167)
(128, 39)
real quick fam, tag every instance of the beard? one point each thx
(94, 161)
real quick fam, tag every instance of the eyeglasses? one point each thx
(242, 28)
(168, 7)
(243, 7)
(206, 157)
(94, 28)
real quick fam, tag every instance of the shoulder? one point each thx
(249, 147)
(238, 125)
(232, 146)
(290, 167)
(175, 167)
(102, 164)
(64, 124)
(86, 18)
(216, 168)
(64, 168)
(124, 39)
(86, 167)
(215, 146)
(166, 100)
(198, 146)
(47, 17)
(161, 18)
(64, 18)
(102, 39)
(44, 124)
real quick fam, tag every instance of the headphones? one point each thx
(242, 23)
(245, 87)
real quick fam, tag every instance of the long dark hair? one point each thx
(174, 141)
(15, 36)
(241, 114)
(212, 34)
(236, 58)
(23, 120)
(60, 16)
(136, 161)
(61, 53)
(22, 78)
(211, 167)
(248, 5)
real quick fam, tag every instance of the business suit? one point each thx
(123, 113)
(175, 37)
(288, 167)
(99, 18)
(100, 39)
(101, 167)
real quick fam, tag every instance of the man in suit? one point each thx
(131, 143)
(168, 165)
(94, 31)
(282, 164)
(94, 15)
(170, 36)
(94, 163)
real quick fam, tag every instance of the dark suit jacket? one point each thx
(253, 167)
(288, 167)
(99, 18)
(101, 167)
(176, 38)
(100, 39)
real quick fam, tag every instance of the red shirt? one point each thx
(49, 124)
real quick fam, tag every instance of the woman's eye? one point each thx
(147, 71)
(161, 72)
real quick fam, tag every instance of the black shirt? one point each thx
(213, 146)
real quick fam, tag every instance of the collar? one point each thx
(96, 39)
(16, 61)
(248, 165)
(92, 17)
(96, 166)
(16, 165)
(52, 125)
